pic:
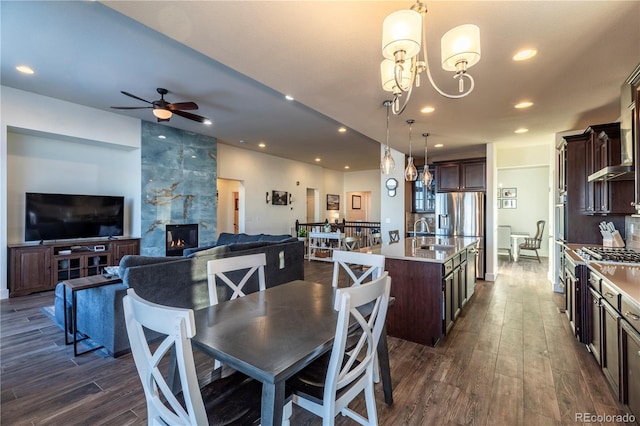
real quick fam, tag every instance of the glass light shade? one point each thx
(387, 70)
(387, 165)
(461, 43)
(401, 31)
(427, 177)
(410, 173)
(163, 114)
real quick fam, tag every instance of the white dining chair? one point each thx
(367, 266)
(327, 390)
(225, 270)
(234, 398)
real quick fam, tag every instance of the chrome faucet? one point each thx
(414, 241)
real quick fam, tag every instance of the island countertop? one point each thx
(443, 248)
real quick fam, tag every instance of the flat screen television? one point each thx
(69, 216)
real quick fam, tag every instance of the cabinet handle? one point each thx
(631, 315)
(597, 303)
(609, 295)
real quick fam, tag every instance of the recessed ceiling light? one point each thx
(241, 141)
(288, 97)
(522, 130)
(525, 54)
(438, 145)
(346, 167)
(262, 144)
(207, 122)
(427, 109)
(317, 159)
(525, 104)
(25, 69)
(342, 129)
(162, 137)
(193, 156)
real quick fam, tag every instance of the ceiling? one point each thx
(237, 59)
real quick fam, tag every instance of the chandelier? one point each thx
(402, 37)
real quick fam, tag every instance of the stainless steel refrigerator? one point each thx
(462, 214)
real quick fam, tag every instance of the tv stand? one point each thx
(40, 266)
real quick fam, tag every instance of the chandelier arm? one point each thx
(433, 83)
(394, 106)
(446, 95)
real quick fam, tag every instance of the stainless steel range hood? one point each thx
(625, 170)
(613, 173)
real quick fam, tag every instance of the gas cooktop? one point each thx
(609, 255)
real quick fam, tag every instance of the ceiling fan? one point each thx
(163, 110)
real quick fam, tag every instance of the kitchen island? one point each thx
(432, 278)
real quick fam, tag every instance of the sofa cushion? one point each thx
(246, 246)
(212, 251)
(279, 238)
(246, 238)
(226, 238)
(137, 260)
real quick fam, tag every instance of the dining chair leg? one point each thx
(385, 369)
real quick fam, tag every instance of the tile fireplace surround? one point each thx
(179, 175)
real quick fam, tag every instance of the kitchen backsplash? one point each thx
(412, 217)
(632, 232)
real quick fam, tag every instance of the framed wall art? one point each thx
(356, 202)
(509, 192)
(509, 203)
(333, 202)
(279, 198)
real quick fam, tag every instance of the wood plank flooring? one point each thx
(510, 360)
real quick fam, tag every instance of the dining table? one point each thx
(273, 334)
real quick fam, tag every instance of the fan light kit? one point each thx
(164, 110)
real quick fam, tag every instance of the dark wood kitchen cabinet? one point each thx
(610, 341)
(423, 196)
(634, 82)
(465, 175)
(594, 305)
(630, 367)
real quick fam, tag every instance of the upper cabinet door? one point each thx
(473, 176)
(467, 175)
(448, 177)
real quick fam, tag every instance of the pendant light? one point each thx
(387, 165)
(427, 177)
(410, 173)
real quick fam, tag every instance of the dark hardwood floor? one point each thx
(510, 360)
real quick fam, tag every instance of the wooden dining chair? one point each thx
(235, 272)
(327, 386)
(394, 236)
(358, 266)
(533, 243)
(351, 243)
(234, 399)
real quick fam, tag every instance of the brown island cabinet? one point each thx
(432, 279)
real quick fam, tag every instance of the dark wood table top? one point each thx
(91, 281)
(270, 335)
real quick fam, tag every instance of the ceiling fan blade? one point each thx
(134, 96)
(190, 116)
(119, 107)
(182, 106)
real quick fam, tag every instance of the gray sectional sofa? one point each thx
(175, 281)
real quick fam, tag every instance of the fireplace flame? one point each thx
(177, 244)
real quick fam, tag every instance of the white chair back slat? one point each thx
(218, 268)
(372, 266)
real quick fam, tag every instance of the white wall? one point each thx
(365, 182)
(262, 173)
(532, 185)
(40, 121)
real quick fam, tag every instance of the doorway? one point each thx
(313, 207)
(230, 206)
